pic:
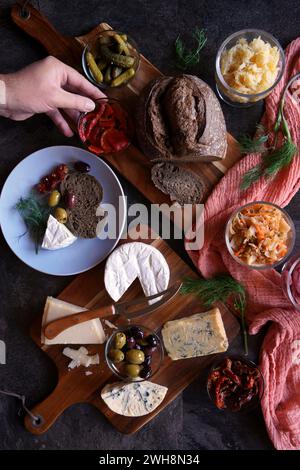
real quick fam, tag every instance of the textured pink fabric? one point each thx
(281, 401)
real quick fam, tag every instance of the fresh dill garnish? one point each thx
(274, 158)
(221, 288)
(186, 58)
(35, 214)
(250, 144)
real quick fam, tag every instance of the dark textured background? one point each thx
(191, 421)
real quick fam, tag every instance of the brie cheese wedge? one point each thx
(133, 399)
(57, 235)
(89, 332)
(136, 260)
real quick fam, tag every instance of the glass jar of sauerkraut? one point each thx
(249, 65)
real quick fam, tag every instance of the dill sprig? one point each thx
(255, 144)
(186, 58)
(274, 158)
(35, 214)
(221, 288)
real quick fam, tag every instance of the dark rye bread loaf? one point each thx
(82, 219)
(183, 186)
(180, 119)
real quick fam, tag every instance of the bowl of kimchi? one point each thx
(260, 235)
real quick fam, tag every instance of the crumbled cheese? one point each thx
(80, 357)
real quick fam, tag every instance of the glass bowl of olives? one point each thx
(134, 352)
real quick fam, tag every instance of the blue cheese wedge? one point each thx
(199, 335)
(57, 235)
(133, 399)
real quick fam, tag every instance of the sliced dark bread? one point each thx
(183, 186)
(180, 119)
(82, 219)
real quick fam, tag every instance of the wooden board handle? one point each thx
(55, 327)
(52, 407)
(38, 27)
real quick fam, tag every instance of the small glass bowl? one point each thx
(291, 243)
(288, 269)
(129, 131)
(261, 384)
(91, 47)
(117, 369)
(229, 94)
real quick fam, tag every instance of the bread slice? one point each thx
(82, 219)
(183, 186)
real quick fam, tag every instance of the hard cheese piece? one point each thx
(198, 335)
(136, 260)
(133, 399)
(90, 332)
(57, 235)
(80, 357)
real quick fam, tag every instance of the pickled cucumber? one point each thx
(122, 46)
(101, 64)
(96, 72)
(116, 71)
(124, 77)
(117, 59)
(107, 76)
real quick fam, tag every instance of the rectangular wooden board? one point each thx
(131, 163)
(87, 290)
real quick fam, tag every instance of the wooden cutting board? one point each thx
(131, 163)
(87, 290)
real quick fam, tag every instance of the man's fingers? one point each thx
(60, 122)
(76, 83)
(64, 99)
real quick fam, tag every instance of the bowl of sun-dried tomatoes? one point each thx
(106, 129)
(235, 384)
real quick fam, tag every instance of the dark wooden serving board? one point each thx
(87, 290)
(131, 163)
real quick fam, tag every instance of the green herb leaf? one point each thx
(249, 144)
(251, 177)
(279, 158)
(35, 214)
(186, 58)
(222, 288)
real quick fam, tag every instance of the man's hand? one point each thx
(47, 86)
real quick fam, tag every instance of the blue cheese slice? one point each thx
(199, 335)
(133, 399)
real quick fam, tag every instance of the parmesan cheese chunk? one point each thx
(90, 332)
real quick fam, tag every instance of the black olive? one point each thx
(148, 360)
(137, 332)
(151, 340)
(130, 342)
(82, 167)
(148, 350)
(145, 372)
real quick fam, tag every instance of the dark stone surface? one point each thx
(191, 421)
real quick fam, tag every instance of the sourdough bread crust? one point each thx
(180, 119)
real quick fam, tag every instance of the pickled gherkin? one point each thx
(117, 59)
(96, 72)
(124, 77)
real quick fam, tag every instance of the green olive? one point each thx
(61, 215)
(120, 340)
(135, 356)
(54, 198)
(142, 342)
(116, 355)
(132, 370)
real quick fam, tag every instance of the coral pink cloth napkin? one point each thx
(280, 354)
